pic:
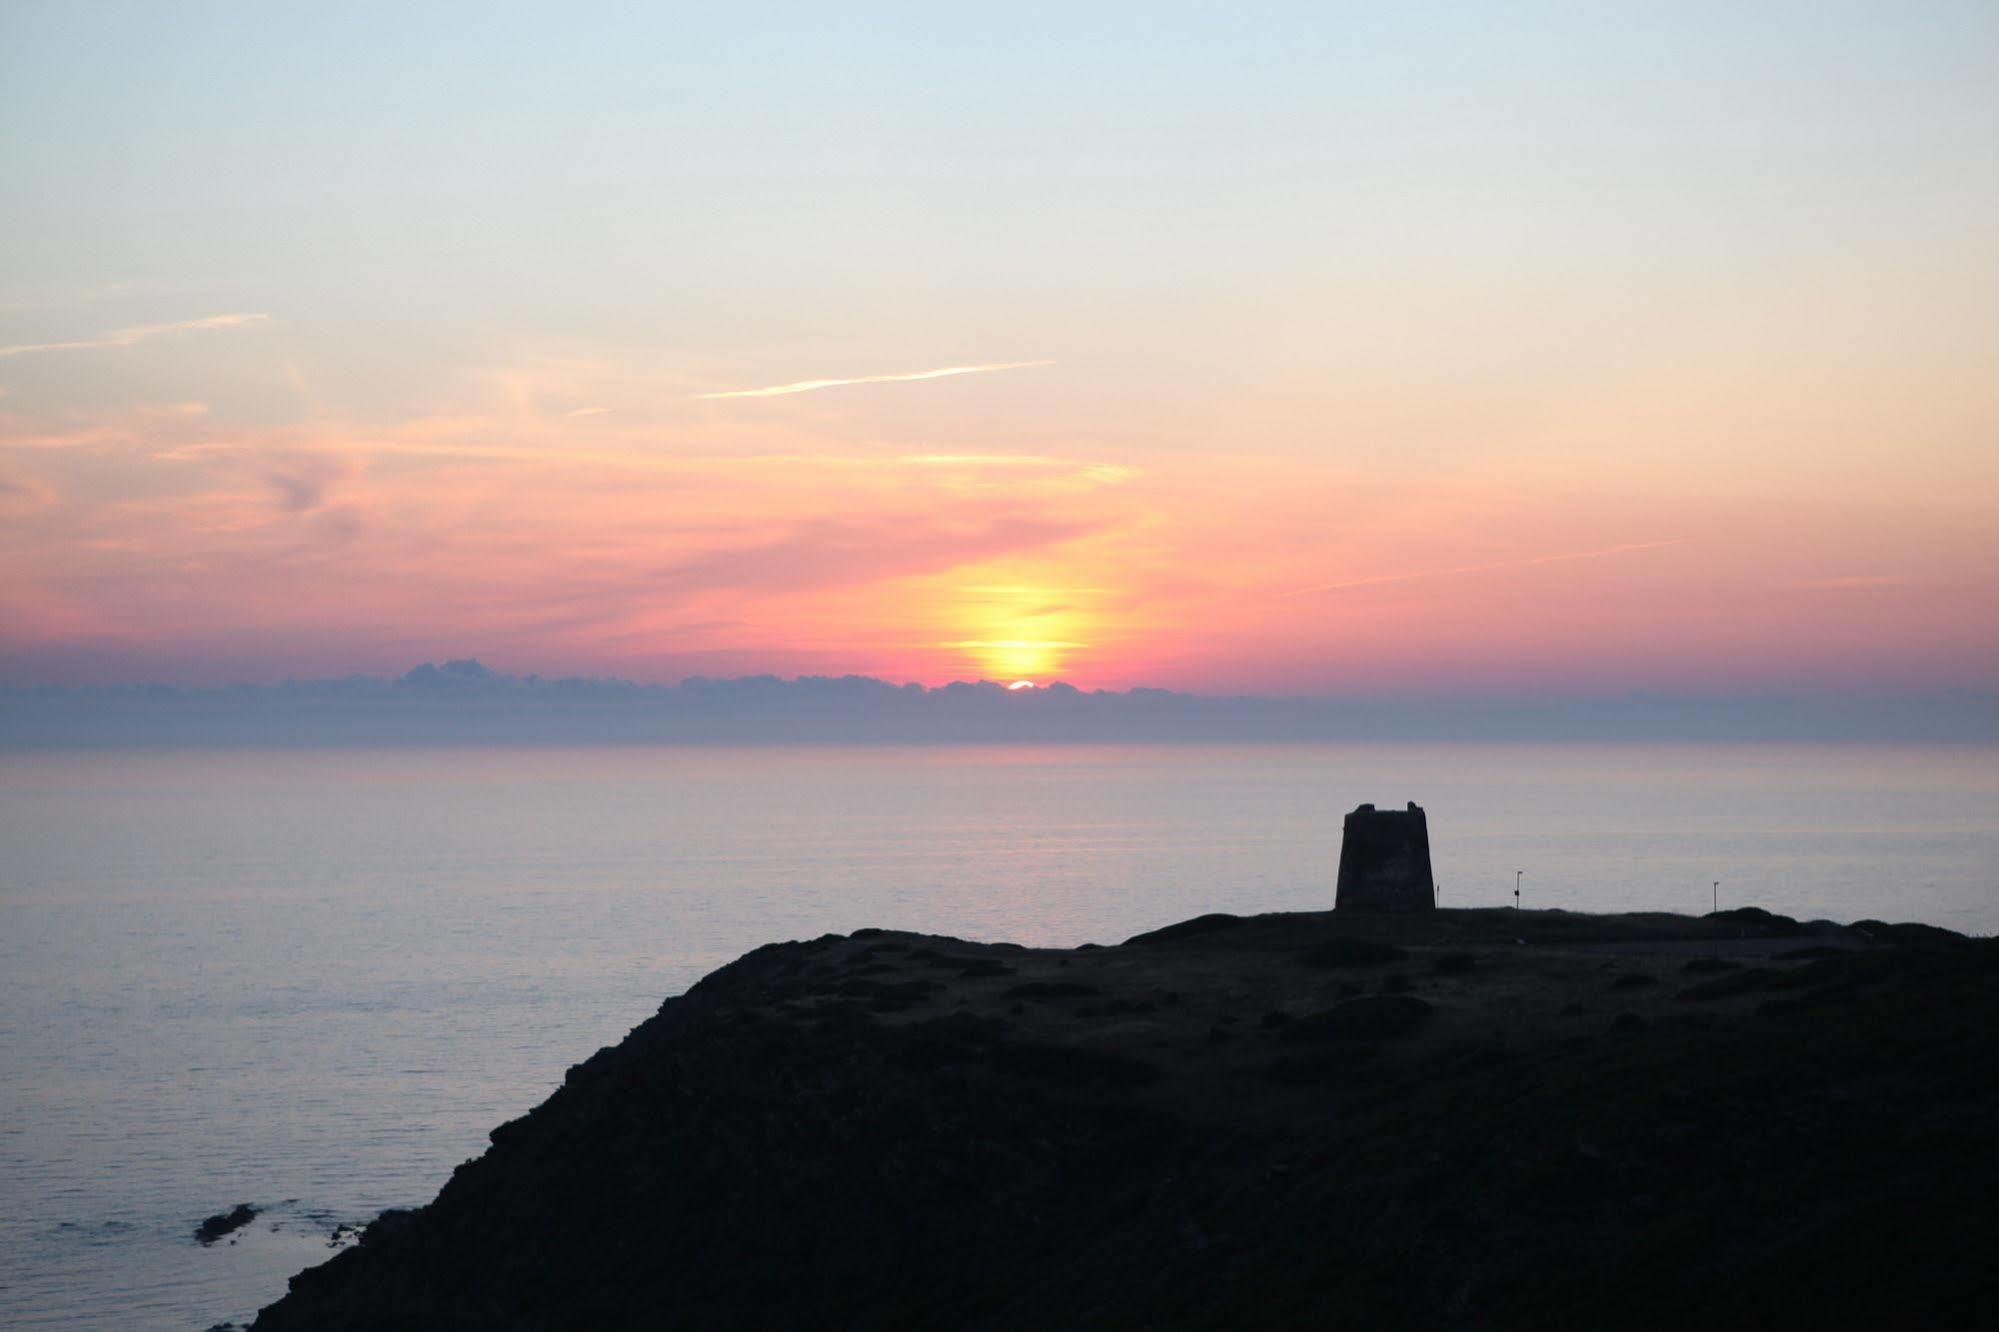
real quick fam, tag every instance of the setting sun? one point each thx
(1001, 657)
(1022, 631)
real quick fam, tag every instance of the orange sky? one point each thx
(667, 535)
(1316, 349)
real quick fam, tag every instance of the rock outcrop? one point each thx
(223, 1223)
(1462, 1118)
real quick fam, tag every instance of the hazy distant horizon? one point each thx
(463, 701)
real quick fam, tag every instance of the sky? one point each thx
(1320, 349)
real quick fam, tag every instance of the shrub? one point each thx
(1374, 1018)
(1351, 953)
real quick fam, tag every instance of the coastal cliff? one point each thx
(1467, 1118)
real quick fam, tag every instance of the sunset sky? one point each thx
(1290, 349)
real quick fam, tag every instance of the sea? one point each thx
(312, 980)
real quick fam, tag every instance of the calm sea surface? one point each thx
(313, 980)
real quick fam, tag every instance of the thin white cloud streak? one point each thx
(126, 337)
(660, 462)
(589, 411)
(1486, 568)
(1107, 474)
(74, 439)
(813, 385)
(101, 292)
(1858, 582)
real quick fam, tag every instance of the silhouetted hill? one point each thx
(1469, 1118)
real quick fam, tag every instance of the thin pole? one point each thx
(1516, 888)
(1714, 896)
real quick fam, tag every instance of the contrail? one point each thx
(1483, 568)
(813, 385)
(125, 337)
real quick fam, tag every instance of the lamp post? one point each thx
(1516, 888)
(1714, 896)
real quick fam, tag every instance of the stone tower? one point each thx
(1385, 861)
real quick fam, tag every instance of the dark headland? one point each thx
(1451, 1118)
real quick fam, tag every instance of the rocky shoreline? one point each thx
(1470, 1118)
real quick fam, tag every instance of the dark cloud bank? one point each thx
(464, 702)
